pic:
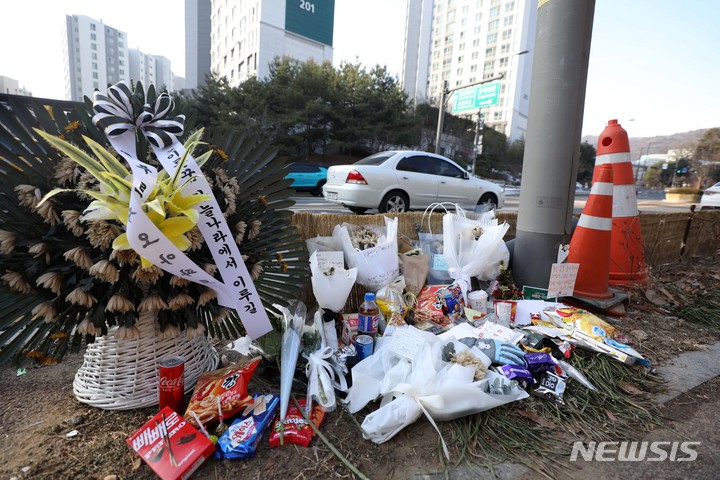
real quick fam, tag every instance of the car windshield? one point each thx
(376, 159)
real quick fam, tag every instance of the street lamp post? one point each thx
(477, 144)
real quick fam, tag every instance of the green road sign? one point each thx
(479, 96)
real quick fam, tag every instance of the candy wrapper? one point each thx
(295, 430)
(539, 362)
(552, 387)
(453, 301)
(518, 373)
(244, 434)
(228, 386)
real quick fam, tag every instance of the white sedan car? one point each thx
(711, 198)
(398, 181)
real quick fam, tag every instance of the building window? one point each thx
(509, 6)
(120, 62)
(476, 42)
(478, 17)
(459, 71)
(474, 56)
(473, 68)
(497, 116)
(505, 48)
(122, 71)
(507, 21)
(92, 27)
(96, 85)
(488, 66)
(95, 75)
(93, 46)
(507, 34)
(493, 24)
(490, 52)
(503, 62)
(465, 9)
(492, 38)
(94, 65)
(494, 11)
(476, 30)
(460, 59)
(462, 47)
(93, 36)
(94, 56)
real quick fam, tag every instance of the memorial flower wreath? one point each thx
(105, 215)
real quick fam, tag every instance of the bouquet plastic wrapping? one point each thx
(293, 324)
(474, 247)
(372, 250)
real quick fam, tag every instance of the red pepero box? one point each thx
(172, 447)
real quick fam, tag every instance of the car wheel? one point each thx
(358, 210)
(394, 201)
(489, 199)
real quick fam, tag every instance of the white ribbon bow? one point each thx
(434, 401)
(323, 379)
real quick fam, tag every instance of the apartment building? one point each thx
(197, 42)
(151, 69)
(451, 43)
(12, 87)
(246, 35)
(96, 55)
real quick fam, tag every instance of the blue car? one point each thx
(307, 177)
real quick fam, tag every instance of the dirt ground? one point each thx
(38, 409)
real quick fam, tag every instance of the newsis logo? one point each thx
(627, 451)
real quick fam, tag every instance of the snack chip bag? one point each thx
(430, 305)
(243, 436)
(297, 430)
(229, 385)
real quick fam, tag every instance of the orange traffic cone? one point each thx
(627, 258)
(590, 243)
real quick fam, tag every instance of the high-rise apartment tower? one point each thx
(451, 43)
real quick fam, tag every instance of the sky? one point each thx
(653, 63)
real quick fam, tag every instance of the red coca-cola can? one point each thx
(171, 388)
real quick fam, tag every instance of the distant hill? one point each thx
(659, 144)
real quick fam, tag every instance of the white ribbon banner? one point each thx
(114, 114)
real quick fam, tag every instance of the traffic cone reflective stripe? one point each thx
(627, 259)
(590, 243)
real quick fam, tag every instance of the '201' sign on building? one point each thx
(311, 19)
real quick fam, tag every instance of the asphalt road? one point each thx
(649, 201)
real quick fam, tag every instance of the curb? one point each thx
(689, 370)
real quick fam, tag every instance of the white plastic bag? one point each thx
(474, 248)
(378, 265)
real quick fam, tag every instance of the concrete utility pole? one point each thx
(552, 143)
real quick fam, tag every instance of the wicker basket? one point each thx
(122, 375)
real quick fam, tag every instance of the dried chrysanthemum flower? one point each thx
(147, 275)
(48, 213)
(79, 256)
(191, 332)
(28, 195)
(67, 172)
(45, 309)
(221, 315)
(87, 327)
(71, 219)
(127, 333)
(105, 271)
(50, 280)
(40, 249)
(180, 301)
(256, 270)
(152, 303)
(233, 184)
(17, 282)
(124, 257)
(220, 173)
(254, 229)
(80, 297)
(206, 296)
(120, 304)
(240, 227)
(169, 332)
(86, 182)
(101, 234)
(7, 241)
(176, 281)
(195, 237)
(210, 268)
(229, 200)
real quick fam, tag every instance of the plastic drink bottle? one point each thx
(368, 316)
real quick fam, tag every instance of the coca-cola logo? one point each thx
(167, 383)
